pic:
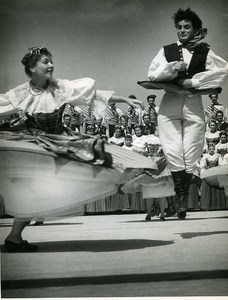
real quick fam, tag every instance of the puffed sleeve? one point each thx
(215, 74)
(6, 106)
(83, 92)
(160, 69)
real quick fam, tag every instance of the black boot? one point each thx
(179, 188)
(183, 198)
(188, 181)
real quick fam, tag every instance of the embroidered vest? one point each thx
(173, 52)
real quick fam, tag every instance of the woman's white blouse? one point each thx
(76, 92)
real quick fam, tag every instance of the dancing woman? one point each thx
(43, 99)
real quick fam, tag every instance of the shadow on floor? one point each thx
(114, 279)
(97, 245)
(44, 224)
(189, 235)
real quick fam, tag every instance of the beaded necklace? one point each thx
(37, 91)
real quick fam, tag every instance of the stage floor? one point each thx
(120, 256)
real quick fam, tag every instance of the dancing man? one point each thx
(191, 67)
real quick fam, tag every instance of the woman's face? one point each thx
(185, 31)
(138, 132)
(117, 133)
(211, 150)
(123, 122)
(128, 142)
(44, 67)
(212, 127)
(223, 139)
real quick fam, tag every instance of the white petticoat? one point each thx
(38, 184)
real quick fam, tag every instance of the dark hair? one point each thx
(32, 56)
(67, 115)
(137, 126)
(210, 95)
(151, 97)
(223, 132)
(124, 117)
(128, 135)
(189, 15)
(219, 112)
(117, 127)
(132, 97)
(210, 145)
(90, 126)
(146, 115)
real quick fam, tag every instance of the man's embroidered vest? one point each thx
(173, 52)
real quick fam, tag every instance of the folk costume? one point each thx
(181, 121)
(50, 172)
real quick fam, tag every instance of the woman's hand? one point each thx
(132, 102)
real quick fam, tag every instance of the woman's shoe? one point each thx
(148, 218)
(20, 247)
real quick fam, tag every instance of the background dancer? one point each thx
(181, 123)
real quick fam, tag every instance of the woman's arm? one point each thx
(6, 107)
(119, 99)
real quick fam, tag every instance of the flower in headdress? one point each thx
(35, 50)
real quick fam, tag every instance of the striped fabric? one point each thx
(132, 115)
(75, 114)
(88, 116)
(211, 110)
(112, 116)
(152, 112)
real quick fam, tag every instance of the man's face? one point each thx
(146, 119)
(113, 104)
(214, 99)
(185, 31)
(151, 101)
(90, 130)
(67, 120)
(219, 117)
